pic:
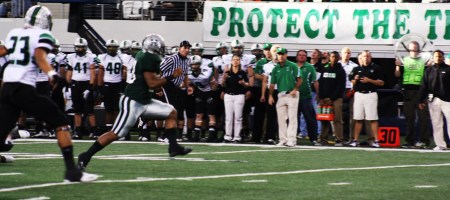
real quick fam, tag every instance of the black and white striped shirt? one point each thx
(173, 62)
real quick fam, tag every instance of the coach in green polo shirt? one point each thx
(287, 76)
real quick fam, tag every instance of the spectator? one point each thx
(347, 108)
(435, 86)
(331, 91)
(305, 106)
(287, 77)
(325, 59)
(235, 82)
(366, 79)
(412, 72)
(266, 72)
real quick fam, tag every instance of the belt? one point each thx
(230, 93)
(285, 92)
(366, 92)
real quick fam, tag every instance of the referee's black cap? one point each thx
(185, 43)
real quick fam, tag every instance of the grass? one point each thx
(291, 173)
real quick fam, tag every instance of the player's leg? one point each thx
(159, 110)
(130, 110)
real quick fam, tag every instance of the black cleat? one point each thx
(179, 151)
(82, 161)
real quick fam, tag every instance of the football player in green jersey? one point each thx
(137, 101)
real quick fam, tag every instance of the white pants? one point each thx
(365, 106)
(287, 108)
(439, 108)
(234, 106)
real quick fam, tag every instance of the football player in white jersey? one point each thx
(27, 48)
(3, 61)
(59, 66)
(201, 78)
(110, 76)
(219, 65)
(125, 47)
(43, 88)
(81, 77)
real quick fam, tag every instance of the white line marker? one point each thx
(248, 145)
(340, 183)
(254, 181)
(425, 186)
(37, 198)
(10, 174)
(144, 179)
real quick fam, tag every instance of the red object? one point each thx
(389, 136)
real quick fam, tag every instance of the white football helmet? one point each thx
(154, 43)
(195, 60)
(136, 45)
(39, 16)
(81, 46)
(237, 47)
(237, 43)
(256, 47)
(112, 43)
(221, 48)
(174, 50)
(81, 42)
(126, 44)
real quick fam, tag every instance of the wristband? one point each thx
(51, 73)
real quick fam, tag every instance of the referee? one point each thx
(174, 90)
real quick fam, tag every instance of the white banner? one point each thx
(325, 23)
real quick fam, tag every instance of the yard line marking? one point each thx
(10, 174)
(144, 179)
(340, 183)
(249, 145)
(37, 198)
(425, 186)
(166, 159)
(254, 181)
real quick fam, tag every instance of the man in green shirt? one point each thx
(137, 101)
(305, 105)
(287, 76)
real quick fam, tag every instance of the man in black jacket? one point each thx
(331, 90)
(436, 85)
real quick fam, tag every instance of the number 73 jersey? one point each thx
(21, 44)
(81, 65)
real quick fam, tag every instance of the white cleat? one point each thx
(87, 177)
(6, 159)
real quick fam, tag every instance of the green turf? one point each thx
(391, 183)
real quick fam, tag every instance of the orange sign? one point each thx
(389, 136)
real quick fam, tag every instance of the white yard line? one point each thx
(10, 174)
(144, 179)
(247, 145)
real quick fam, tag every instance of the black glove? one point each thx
(58, 82)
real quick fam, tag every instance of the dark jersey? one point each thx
(138, 89)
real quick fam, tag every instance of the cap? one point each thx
(185, 43)
(281, 51)
(267, 46)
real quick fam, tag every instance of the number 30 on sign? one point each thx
(389, 136)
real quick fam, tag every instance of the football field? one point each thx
(143, 170)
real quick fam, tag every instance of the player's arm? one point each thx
(101, 74)
(154, 81)
(92, 71)
(40, 56)
(3, 51)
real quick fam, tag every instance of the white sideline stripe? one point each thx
(340, 183)
(252, 145)
(37, 198)
(254, 181)
(144, 179)
(425, 186)
(10, 174)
